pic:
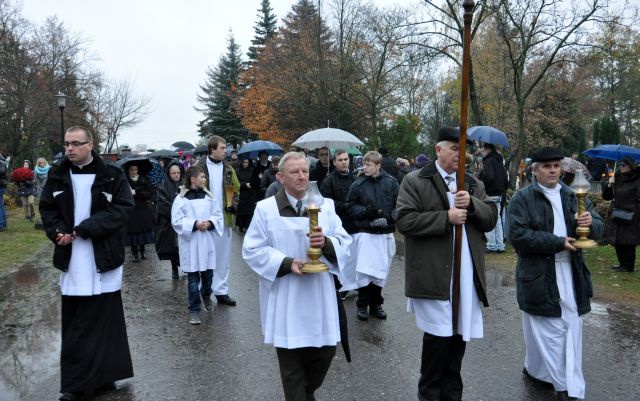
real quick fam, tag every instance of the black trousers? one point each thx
(370, 295)
(626, 255)
(440, 370)
(302, 370)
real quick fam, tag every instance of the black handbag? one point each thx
(622, 216)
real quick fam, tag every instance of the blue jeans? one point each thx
(495, 237)
(3, 211)
(195, 289)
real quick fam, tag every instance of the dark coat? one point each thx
(111, 207)
(268, 177)
(248, 191)
(493, 174)
(391, 167)
(625, 194)
(143, 219)
(379, 193)
(530, 231)
(165, 235)
(336, 186)
(319, 172)
(27, 187)
(423, 218)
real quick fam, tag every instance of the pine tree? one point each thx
(220, 97)
(265, 29)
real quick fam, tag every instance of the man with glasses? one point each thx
(85, 205)
(323, 167)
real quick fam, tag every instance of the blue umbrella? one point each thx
(250, 150)
(613, 152)
(488, 134)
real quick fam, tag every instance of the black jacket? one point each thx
(379, 193)
(111, 207)
(142, 220)
(530, 228)
(165, 235)
(625, 194)
(391, 167)
(319, 172)
(336, 186)
(493, 174)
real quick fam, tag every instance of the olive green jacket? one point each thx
(422, 217)
(229, 174)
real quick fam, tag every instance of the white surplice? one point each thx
(554, 345)
(435, 316)
(83, 278)
(372, 254)
(296, 311)
(197, 250)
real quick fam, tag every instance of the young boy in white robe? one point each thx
(196, 217)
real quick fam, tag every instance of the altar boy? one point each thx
(298, 311)
(196, 217)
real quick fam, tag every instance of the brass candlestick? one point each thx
(314, 265)
(581, 186)
(313, 200)
(228, 193)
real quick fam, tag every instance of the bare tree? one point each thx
(441, 33)
(540, 34)
(116, 107)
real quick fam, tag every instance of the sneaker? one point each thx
(207, 303)
(194, 318)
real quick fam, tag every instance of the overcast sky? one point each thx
(165, 46)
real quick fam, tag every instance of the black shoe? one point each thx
(107, 387)
(535, 380)
(226, 300)
(377, 312)
(624, 269)
(174, 273)
(143, 256)
(135, 258)
(564, 396)
(615, 267)
(69, 397)
(207, 303)
(363, 314)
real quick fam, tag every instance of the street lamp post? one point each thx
(61, 104)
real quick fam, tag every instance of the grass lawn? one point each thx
(20, 241)
(623, 288)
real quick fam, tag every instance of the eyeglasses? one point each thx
(74, 144)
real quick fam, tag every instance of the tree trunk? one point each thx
(476, 111)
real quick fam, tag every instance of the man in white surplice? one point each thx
(299, 311)
(542, 225)
(427, 213)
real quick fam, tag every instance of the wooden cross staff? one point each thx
(462, 143)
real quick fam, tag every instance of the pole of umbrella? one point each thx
(462, 157)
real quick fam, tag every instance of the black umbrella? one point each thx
(163, 154)
(183, 145)
(143, 163)
(201, 150)
(344, 330)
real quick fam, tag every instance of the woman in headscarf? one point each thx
(166, 237)
(248, 192)
(622, 227)
(41, 170)
(140, 225)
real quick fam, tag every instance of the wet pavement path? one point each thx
(225, 359)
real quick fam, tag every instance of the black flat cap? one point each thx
(450, 134)
(546, 154)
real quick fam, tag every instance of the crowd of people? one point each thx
(92, 209)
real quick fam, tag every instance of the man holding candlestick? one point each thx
(553, 282)
(299, 312)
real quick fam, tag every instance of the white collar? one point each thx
(444, 173)
(292, 200)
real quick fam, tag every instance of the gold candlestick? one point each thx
(313, 200)
(314, 265)
(581, 186)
